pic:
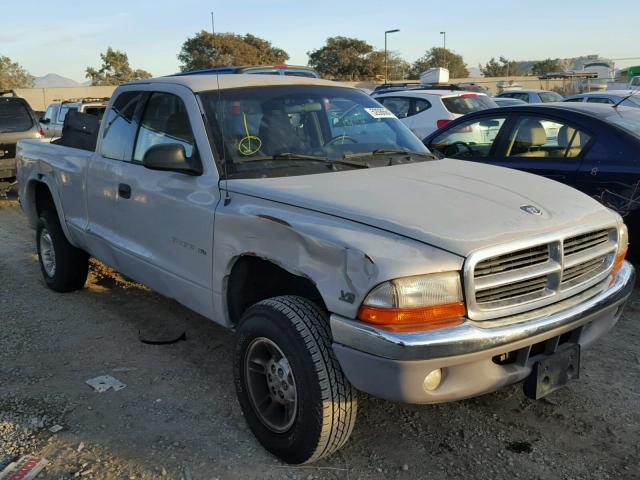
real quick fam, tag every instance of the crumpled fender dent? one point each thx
(344, 259)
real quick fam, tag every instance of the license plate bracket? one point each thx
(553, 372)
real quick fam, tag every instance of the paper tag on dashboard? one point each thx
(379, 112)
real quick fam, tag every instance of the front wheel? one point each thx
(291, 389)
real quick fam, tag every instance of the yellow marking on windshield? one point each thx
(244, 146)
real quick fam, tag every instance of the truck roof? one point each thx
(204, 82)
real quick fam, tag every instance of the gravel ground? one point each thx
(178, 416)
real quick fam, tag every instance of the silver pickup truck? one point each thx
(305, 216)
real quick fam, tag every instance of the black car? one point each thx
(17, 121)
(592, 147)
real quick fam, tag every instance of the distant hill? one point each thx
(54, 80)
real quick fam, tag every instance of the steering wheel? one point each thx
(457, 145)
(335, 139)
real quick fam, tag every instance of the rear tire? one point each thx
(63, 266)
(309, 411)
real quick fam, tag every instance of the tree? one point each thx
(115, 70)
(397, 67)
(546, 66)
(342, 58)
(501, 68)
(440, 57)
(207, 50)
(12, 75)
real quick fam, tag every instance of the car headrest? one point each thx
(565, 135)
(531, 133)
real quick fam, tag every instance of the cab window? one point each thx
(51, 113)
(471, 139)
(544, 138)
(120, 129)
(164, 120)
(604, 100)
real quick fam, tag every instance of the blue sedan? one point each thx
(592, 147)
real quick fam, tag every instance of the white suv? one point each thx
(424, 111)
(53, 120)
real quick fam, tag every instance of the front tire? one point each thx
(63, 266)
(290, 386)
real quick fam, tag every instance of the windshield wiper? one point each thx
(390, 152)
(311, 158)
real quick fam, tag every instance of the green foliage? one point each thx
(546, 66)
(440, 57)
(115, 70)
(501, 68)
(12, 75)
(342, 58)
(207, 50)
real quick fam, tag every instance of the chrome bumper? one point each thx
(471, 337)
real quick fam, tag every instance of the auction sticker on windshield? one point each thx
(380, 112)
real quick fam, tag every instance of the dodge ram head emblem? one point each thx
(531, 209)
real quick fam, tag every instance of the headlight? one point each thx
(623, 246)
(422, 302)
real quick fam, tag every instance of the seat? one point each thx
(571, 140)
(530, 136)
(277, 133)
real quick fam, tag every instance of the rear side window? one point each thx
(540, 138)
(519, 95)
(546, 97)
(605, 100)
(299, 73)
(464, 104)
(578, 99)
(14, 115)
(421, 105)
(120, 129)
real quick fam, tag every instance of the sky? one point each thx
(67, 36)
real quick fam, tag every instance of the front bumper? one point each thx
(393, 365)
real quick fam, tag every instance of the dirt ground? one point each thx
(178, 417)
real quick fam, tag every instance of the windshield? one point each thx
(14, 115)
(298, 130)
(627, 119)
(467, 103)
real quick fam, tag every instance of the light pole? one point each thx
(385, 51)
(213, 31)
(444, 43)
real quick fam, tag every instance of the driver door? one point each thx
(476, 139)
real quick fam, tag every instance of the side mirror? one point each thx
(45, 121)
(171, 157)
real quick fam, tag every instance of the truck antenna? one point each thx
(227, 198)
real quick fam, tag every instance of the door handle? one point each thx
(124, 190)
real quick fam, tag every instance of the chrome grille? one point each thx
(503, 281)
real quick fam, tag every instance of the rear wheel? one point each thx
(291, 389)
(64, 267)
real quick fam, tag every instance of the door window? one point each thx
(544, 138)
(51, 113)
(165, 120)
(600, 100)
(473, 138)
(120, 129)
(400, 107)
(420, 106)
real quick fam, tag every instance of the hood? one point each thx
(454, 205)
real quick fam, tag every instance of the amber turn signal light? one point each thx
(414, 319)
